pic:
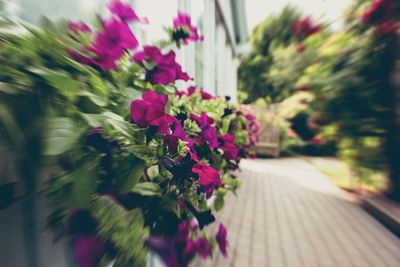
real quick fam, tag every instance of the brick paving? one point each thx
(287, 214)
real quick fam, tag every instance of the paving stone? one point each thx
(287, 214)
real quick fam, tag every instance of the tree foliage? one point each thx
(273, 33)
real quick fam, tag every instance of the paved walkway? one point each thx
(287, 214)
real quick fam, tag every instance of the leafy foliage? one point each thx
(271, 34)
(116, 178)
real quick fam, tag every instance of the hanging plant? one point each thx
(131, 162)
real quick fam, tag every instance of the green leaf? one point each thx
(124, 228)
(118, 123)
(98, 85)
(169, 202)
(144, 152)
(93, 120)
(130, 171)
(61, 135)
(147, 189)
(219, 203)
(76, 65)
(225, 125)
(99, 100)
(84, 183)
(66, 85)
(153, 172)
(9, 129)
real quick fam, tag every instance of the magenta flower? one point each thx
(190, 91)
(388, 27)
(227, 143)
(382, 14)
(379, 12)
(88, 250)
(164, 70)
(165, 248)
(81, 58)
(203, 121)
(125, 12)
(179, 249)
(209, 178)
(221, 238)
(109, 45)
(207, 129)
(183, 29)
(114, 39)
(183, 231)
(77, 27)
(305, 27)
(190, 249)
(151, 112)
(202, 247)
(177, 133)
(205, 95)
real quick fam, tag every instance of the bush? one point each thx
(119, 181)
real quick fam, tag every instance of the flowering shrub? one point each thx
(305, 27)
(119, 181)
(381, 14)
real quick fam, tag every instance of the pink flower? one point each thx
(151, 112)
(300, 48)
(205, 95)
(253, 128)
(202, 247)
(77, 27)
(109, 45)
(189, 250)
(303, 88)
(381, 14)
(227, 142)
(184, 30)
(191, 90)
(290, 133)
(305, 27)
(165, 248)
(221, 238)
(388, 27)
(125, 12)
(207, 129)
(316, 140)
(209, 178)
(199, 246)
(165, 70)
(177, 133)
(88, 250)
(380, 11)
(81, 58)
(116, 35)
(183, 231)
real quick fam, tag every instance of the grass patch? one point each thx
(342, 176)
